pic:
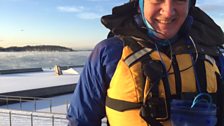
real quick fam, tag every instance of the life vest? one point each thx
(129, 85)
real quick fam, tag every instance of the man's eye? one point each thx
(156, 1)
(180, 1)
(175, 1)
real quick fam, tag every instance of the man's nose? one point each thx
(168, 9)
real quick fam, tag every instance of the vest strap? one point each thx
(130, 60)
(177, 74)
(121, 105)
(200, 74)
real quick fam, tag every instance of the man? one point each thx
(161, 50)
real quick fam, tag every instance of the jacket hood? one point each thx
(122, 21)
(204, 30)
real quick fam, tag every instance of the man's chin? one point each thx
(164, 36)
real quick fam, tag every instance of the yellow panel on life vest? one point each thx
(187, 76)
(128, 84)
(211, 70)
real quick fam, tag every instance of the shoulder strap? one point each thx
(132, 59)
(200, 74)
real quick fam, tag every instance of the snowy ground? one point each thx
(48, 112)
(45, 112)
(58, 104)
(34, 80)
(20, 113)
(23, 118)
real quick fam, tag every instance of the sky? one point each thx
(70, 23)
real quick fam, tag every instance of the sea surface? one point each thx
(35, 59)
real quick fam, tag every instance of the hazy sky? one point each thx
(70, 23)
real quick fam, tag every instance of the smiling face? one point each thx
(166, 16)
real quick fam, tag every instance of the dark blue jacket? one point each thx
(87, 107)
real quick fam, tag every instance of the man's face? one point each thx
(166, 16)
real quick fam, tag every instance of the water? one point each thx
(19, 60)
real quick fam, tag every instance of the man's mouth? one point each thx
(165, 21)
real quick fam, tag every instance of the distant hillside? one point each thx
(36, 48)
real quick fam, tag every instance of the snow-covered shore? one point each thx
(36, 80)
